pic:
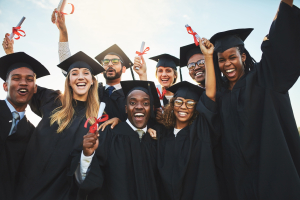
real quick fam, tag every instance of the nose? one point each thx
(23, 81)
(227, 63)
(183, 106)
(80, 75)
(110, 63)
(164, 73)
(139, 105)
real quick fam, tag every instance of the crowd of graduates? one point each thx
(230, 136)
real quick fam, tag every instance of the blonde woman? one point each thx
(45, 169)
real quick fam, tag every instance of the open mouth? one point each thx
(230, 72)
(139, 116)
(22, 91)
(199, 74)
(165, 80)
(182, 114)
(81, 85)
(110, 71)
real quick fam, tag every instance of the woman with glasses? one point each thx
(260, 140)
(45, 166)
(185, 141)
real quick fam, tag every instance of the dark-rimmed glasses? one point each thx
(114, 61)
(188, 104)
(191, 66)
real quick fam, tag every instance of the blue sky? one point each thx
(96, 25)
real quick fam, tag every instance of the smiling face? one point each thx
(165, 76)
(198, 74)
(138, 108)
(182, 113)
(20, 86)
(80, 80)
(231, 64)
(112, 71)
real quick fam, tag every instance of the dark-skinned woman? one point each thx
(186, 139)
(260, 142)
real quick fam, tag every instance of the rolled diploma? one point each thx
(197, 36)
(141, 50)
(101, 110)
(61, 5)
(19, 24)
(160, 90)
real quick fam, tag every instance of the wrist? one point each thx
(143, 77)
(87, 153)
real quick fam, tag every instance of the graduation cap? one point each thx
(186, 90)
(116, 50)
(81, 60)
(146, 86)
(186, 52)
(166, 60)
(17, 60)
(228, 39)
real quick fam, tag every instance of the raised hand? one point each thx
(60, 22)
(113, 121)
(90, 143)
(206, 47)
(140, 63)
(7, 44)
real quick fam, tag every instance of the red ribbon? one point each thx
(190, 31)
(144, 52)
(73, 8)
(93, 128)
(16, 31)
(161, 96)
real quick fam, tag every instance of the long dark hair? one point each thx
(249, 63)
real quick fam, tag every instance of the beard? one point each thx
(117, 74)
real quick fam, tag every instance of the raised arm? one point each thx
(140, 67)
(279, 67)
(8, 45)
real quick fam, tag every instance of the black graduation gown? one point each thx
(261, 146)
(115, 103)
(123, 168)
(46, 162)
(186, 162)
(12, 150)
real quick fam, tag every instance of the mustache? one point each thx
(110, 68)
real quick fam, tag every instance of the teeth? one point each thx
(182, 113)
(23, 90)
(199, 73)
(139, 114)
(81, 84)
(230, 70)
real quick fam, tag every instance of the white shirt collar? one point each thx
(117, 86)
(12, 109)
(176, 131)
(134, 128)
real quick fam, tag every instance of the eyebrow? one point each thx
(21, 75)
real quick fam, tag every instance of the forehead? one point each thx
(22, 71)
(138, 94)
(232, 50)
(196, 57)
(111, 56)
(164, 68)
(80, 69)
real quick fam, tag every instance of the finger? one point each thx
(142, 58)
(113, 125)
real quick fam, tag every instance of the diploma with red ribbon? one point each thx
(16, 30)
(161, 94)
(100, 118)
(142, 52)
(195, 35)
(61, 6)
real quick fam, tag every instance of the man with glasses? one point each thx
(192, 57)
(114, 61)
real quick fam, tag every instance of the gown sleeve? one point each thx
(42, 97)
(279, 67)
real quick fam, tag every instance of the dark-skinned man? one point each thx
(113, 60)
(123, 166)
(19, 71)
(192, 57)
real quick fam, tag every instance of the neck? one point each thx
(80, 98)
(168, 93)
(181, 125)
(19, 108)
(202, 84)
(113, 82)
(232, 83)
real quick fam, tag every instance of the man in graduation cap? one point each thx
(114, 61)
(19, 71)
(192, 57)
(124, 158)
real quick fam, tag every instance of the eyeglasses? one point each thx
(191, 66)
(114, 61)
(189, 104)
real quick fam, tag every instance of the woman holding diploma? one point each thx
(185, 143)
(260, 141)
(60, 132)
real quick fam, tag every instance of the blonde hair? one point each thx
(63, 115)
(169, 118)
(175, 73)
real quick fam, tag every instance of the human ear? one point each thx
(35, 89)
(244, 57)
(5, 86)
(123, 69)
(125, 108)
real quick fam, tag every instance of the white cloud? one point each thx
(45, 4)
